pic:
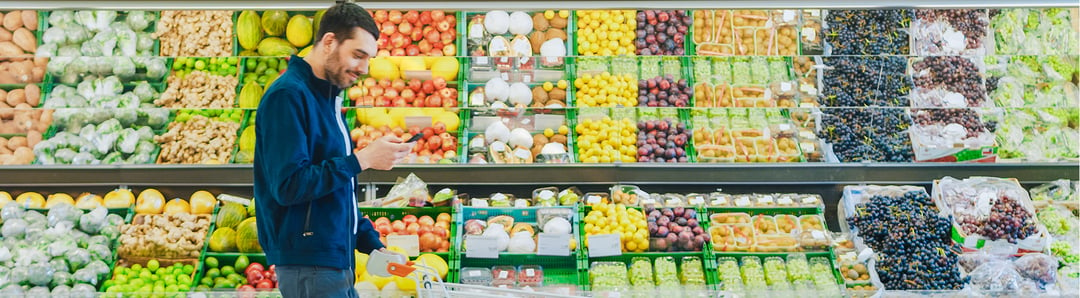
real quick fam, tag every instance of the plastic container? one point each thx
(776, 273)
(764, 224)
(786, 223)
(504, 276)
(753, 274)
(812, 222)
(608, 276)
(730, 218)
(720, 199)
(813, 240)
(530, 276)
(775, 243)
(727, 269)
(476, 276)
(665, 271)
(691, 271)
(798, 269)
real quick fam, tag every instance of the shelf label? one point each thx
(742, 201)
(605, 245)
(503, 274)
(809, 34)
(817, 234)
(481, 247)
(411, 243)
(592, 200)
(809, 200)
(530, 272)
(550, 244)
(785, 86)
(789, 15)
(784, 201)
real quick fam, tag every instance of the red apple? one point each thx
(412, 50)
(246, 291)
(424, 46)
(254, 266)
(387, 29)
(412, 16)
(394, 17)
(446, 37)
(255, 276)
(439, 83)
(434, 143)
(397, 52)
(425, 17)
(424, 152)
(398, 40)
(416, 35)
(415, 84)
(449, 50)
(427, 87)
(420, 145)
(451, 19)
(446, 136)
(431, 36)
(382, 101)
(428, 132)
(449, 144)
(380, 16)
(376, 91)
(408, 95)
(383, 45)
(437, 15)
(370, 82)
(438, 127)
(434, 101)
(399, 102)
(397, 84)
(265, 284)
(391, 93)
(405, 28)
(443, 25)
(414, 130)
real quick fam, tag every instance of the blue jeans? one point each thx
(315, 281)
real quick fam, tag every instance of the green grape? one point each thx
(608, 276)
(665, 271)
(822, 273)
(624, 65)
(798, 269)
(778, 70)
(752, 274)
(691, 271)
(1054, 222)
(641, 272)
(671, 66)
(702, 69)
(760, 70)
(587, 64)
(740, 72)
(728, 269)
(775, 271)
(650, 66)
(1064, 250)
(722, 70)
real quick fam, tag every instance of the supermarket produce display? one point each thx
(126, 138)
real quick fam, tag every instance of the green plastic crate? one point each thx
(398, 213)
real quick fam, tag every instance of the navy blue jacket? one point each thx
(305, 175)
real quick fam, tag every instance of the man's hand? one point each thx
(384, 153)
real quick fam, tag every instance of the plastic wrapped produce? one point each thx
(998, 275)
(1039, 267)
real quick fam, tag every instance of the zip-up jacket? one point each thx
(305, 175)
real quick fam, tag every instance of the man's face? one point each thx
(348, 60)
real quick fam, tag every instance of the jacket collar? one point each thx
(317, 85)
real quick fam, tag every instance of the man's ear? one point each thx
(328, 40)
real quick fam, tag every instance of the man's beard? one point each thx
(335, 72)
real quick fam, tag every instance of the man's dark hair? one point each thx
(343, 18)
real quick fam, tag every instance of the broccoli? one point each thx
(104, 42)
(146, 134)
(140, 158)
(129, 100)
(77, 101)
(109, 126)
(63, 91)
(113, 158)
(146, 147)
(90, 49)
(84, 158)
(65, 155)
(68, 51)
(86, 89)
(111, 85)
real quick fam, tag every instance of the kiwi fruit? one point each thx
(555, 33)
(558, 22)
(555, 94)
(561, 139)
(537, 39)
(539, 96)
(540, 23)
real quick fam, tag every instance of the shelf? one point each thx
(571, 174)
(532, 5)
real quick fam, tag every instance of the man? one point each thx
(305, 168)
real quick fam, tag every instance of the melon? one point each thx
(248, 29)
(274, 22)
(298, 31)
(247, 236)
(223, 240)
(230, 215)
(275, 46)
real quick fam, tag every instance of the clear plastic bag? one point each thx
(1040, 267)
(996, 275)
(410, 191)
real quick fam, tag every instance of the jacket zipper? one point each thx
(307, 222)
(352, 182)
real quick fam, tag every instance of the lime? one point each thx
(145, 275)
(202, 288)
(235, 277)
(200, 65)
(207, 280)
(226, 270)
(137, 282)
(211, 262)
(188, 269)
(161, 271)
(251, 63)
(136, 267)
(242, 262)
(213, 273)
(171, 289)
(183, 288)
(153, 265)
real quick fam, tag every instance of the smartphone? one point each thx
(415, 138)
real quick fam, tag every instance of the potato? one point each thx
(29, 19)
(41, 61)
(13, 20)
(554, 32)
(539, 140)
(32, 94)
(46, 116)
(7, 159)
(6, 77)
(537, 38)
(5, 35)
(33, 137)
(3, 142)
(23, 156)
(15, 97)
(3, 94)
(8, 127)
(24, 39)
(16, 142)
(6, 112)
(10, 49)
(37, 74)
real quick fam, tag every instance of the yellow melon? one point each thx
(150, 201)
(5, 198)
(177, 206)
(58, 198)
(119, 198)
(382, 68)
(446, 68)
(87, 201)
(202, 202)
(30, 200)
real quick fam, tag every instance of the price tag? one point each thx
(765, 200)
(742, 201)
(482, 60)
(784, 126)
(817, 234)
(697, 201)
(720, 202)
(481, 247)
(785, 86)
(474, 273)
(478, 203)
(789, 15)
(522, 153)
(605, 245)
(784, 201)
(530, 272)
(592, 200)
(809, 34)
(809, 200)
(503, 274)
(411, 243)
(498, 147)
